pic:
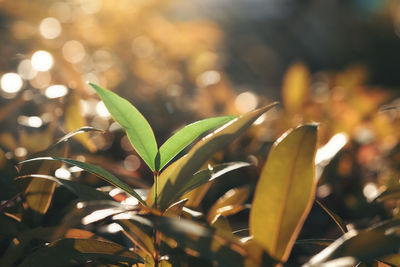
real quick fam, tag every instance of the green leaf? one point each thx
(203, 150)
(199, 178)
(105, 175)
(226, 250)
(339, 222)
(285, 191)
(70, 252)
(364, 246)
(83, 191)
(136, 126)
(187, 135)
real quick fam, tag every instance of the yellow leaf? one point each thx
(75, 120)
(285, 192)
(296, 87)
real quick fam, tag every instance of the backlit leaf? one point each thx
(136, 126)
(83, 191)
(177, 142)
(137, 236)
(364, 246)
(105, 175)
(39, 195)
(285, 191)
(339, 222)
(231, 202)
(79, 251)
(74, 120)
(203, 150)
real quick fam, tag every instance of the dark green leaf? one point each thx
(69, 252)
(105, 175)
(81, 190)
(339, 222)
(364, 246)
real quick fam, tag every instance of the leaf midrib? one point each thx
(287, 189)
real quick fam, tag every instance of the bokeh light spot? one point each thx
(42, 60)
(50, 28)
(63, 173)
(73, 51)
(246, 102)
(56, 91)
(11, 82)
(102, 110)
(25, 70)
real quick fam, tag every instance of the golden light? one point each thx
(91, 6)
(62, 11)
(42, 60)
(73, 51)
(11, 82)
(132, 163)
(41, 80)
(25, 70)
(50, 28)
(56, 91)
(246, 102)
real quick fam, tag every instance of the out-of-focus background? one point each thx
(328, 61)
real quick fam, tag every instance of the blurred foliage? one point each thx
(177, 69)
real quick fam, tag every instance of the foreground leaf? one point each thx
(355, 247)
(79, 251)
(285, 191)
(136, 126)
(339, 222)
(187, 135)
(230, 203)
(203, 150)
(199, 178)
(105, 175)
(83, 191)
(39, 194)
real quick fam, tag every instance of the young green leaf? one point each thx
(71, 252)
(203, 150)
(136, 126)
(285, 192)
(177, 142)
(105, 175)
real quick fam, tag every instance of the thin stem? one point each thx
(155, 189)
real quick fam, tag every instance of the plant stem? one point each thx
(155, 189)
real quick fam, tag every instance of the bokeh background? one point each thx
(328, 61)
